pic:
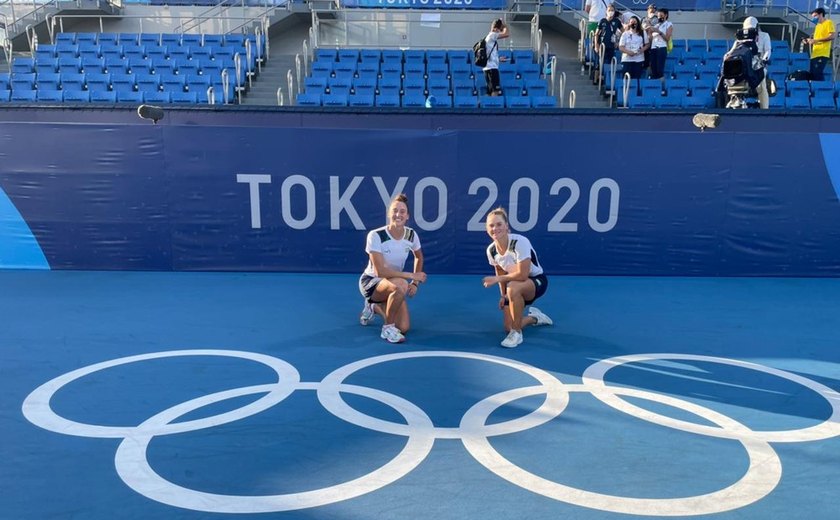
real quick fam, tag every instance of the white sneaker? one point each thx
(392, 334)
(541, 317)
(513, 339)
(368, 313)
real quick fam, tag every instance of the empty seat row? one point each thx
(83, 96)
(394, 101)
(73, 38)
(414, 55)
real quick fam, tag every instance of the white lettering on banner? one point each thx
(419, 188)
(556, 223)
(341, 202)
(612, 186)
(476, 223)
(286, 201)
(253, 181)
(388, 196)
(533, 208)
(524, 198)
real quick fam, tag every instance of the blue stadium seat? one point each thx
(129, 97)
(392, 55)
(106, 39)
(818, 87)
(371, 56)
(334, 100)
(544, 102)
(123, 82)
(45, 51)
(536, 87)
(157, 97)
(53, 96)
(24, 96)
(823, 101)
(100, 82)
(650, 87)
(676, 86)
(309, 99)
(797, 88)
(491, 102)
(669, 101)
(23, 65)
(65, 37)
(414, 100)
(361, 100)
(187, 97)
(465, 101)
(76, 96)
(47, 81)
(72, 81)
(388, 100)
(798, 101)
(5, 95)
(641, 101)
(103, 97)
(46, 64)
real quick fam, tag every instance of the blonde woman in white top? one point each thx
(519, 276)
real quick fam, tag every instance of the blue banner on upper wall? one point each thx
(301, 195)
(426, 4)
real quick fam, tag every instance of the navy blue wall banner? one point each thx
(600, 194)
(426, 4)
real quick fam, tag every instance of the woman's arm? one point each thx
(383, 271)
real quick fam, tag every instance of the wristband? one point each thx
(414, 283)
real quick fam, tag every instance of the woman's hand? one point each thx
(502, 302)
(488, 281)
(419, 276)
(412, 290)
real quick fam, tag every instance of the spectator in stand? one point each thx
(498, 31)
(820, 43)
(763, 51)
(597, 9)
(650, 20)
(660, 35)
(608, 33)
(633, 46)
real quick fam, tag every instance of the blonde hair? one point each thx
(500, 211)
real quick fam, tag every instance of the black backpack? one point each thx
(480, 53)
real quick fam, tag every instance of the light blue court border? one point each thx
(831, 153)
(155, 395)
(19, 249)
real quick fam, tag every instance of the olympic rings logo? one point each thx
(133, 467)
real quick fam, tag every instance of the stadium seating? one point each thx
(131, 68)
(414, 78)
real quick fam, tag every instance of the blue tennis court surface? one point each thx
(211, 395)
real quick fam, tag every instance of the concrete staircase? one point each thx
(273, 75)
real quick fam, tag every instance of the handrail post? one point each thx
(572, 98)
(297, 70)
(280, 96)
(211, 95)
(626, 88)
(225, 84)
(291, 86)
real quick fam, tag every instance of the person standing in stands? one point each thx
(649, 21)
(820, 43)
(608, 33)
(519, 276)
(632, 45)
(660, 35)
(498, 31)
(384, 284)
(597, 10)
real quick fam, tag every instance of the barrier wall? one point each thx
(597, 193)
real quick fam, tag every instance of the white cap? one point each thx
(750, 23)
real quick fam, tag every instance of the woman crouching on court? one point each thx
(384, 284)
(519, 275)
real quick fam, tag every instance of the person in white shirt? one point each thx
(596, 9)
(660, 34)
(632, 45)
(498, 31)
(519, 276)
(765, 48)
(384, 283)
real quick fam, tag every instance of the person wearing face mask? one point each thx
(596, 9)
(648, 22)
(632, 45)
(820, 43)
(660, 35)
(608, 33)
